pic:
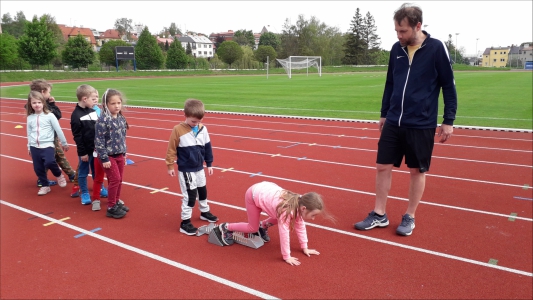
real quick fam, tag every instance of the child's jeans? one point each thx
(83, 168)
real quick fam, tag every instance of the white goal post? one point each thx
(301, 62)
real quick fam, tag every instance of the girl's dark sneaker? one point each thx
(188, 228)
(120, 204)
(263, 233)
(115, 212)
(208, 216)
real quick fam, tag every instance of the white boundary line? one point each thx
(145, 253)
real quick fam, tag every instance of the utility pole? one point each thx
(456, 47)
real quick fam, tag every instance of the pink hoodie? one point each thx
(266, 195)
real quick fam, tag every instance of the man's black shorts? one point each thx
(415, 144)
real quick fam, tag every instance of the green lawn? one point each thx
(491, 99)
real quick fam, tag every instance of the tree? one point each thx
(355, 45)
(188, 51)
(8, 50)
(229, 52)
(78, 52)
(371, 39)
(173, 29)
(14, 26)
(147, 53)
(455, 54)
(37, 45)
(176, 57)
(166, 45)
(289, 40)
(107, 53)
(244, 37)
(263, 51)
(124, 27)
(269, 39)
(219, 40)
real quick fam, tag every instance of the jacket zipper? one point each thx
(38, 131)
(407, 79)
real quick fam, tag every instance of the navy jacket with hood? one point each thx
(412, 90)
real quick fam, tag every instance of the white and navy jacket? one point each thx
(41, 128)
(82, 123)
(191, 150)
(412, 88)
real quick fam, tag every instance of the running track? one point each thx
(473, 237)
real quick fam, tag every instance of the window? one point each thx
(502, 59)
(495, 60)
(210, 45)
(205, 52)
(210, 53)
(495, 52)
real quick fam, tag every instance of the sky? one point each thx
(480, 24)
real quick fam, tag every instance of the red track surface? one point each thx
(477, 181)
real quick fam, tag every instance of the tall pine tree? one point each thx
(371, 39)
(148, 54)
(176, 57)
(355, 45)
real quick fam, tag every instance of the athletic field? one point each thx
(486, 99)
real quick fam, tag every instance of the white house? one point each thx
(201, 46)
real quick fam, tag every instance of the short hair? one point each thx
(410, 11)
(85, 90)
(194, 108)
(39, 85)
(39, 96)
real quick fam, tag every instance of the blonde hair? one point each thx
(291, 203)
(38, 96)
(110, 93)
(39, 85)
(85, 90)
(194, 108)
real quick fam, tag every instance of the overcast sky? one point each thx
(495, 23)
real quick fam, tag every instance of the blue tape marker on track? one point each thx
(82, 234)
(258, 173)
(521, 198)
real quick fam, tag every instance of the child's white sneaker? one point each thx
(61, 181)
(44, 190)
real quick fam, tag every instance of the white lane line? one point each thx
(147, 254)
(215, 278)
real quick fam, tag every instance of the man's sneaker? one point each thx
(188, 228)
(75, 191)
(372, 221)
(96, 205)
(115, 212)
(103, 192)
(207, 216)
(407, 225)
(263, 233)
(120, 204)
(85, 199)
(223, 234)
(72, 176)
(43, 190)
(61, 181)
(50, 183)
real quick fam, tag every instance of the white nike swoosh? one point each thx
(398, 57)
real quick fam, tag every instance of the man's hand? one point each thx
(445, 132)
(381, 123)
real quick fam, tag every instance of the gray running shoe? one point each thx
(371, 221)
(407, 225)
(96, 205)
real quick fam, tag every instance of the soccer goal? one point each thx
(301, 62)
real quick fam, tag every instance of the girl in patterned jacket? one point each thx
(110, 144)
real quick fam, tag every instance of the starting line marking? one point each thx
(51, 223)
(226, 170)
(302, 158)
(258, 173)
(312, 144)
(276, 155)
(160, 190)
(522, 198)
(82, 234)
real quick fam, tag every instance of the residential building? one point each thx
(496, 57)
(87, 33)
(201, 46)
(525, 53)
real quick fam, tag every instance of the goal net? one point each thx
(301, 62)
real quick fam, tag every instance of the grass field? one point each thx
(488, 99)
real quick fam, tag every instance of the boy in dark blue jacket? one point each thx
(419, 67)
